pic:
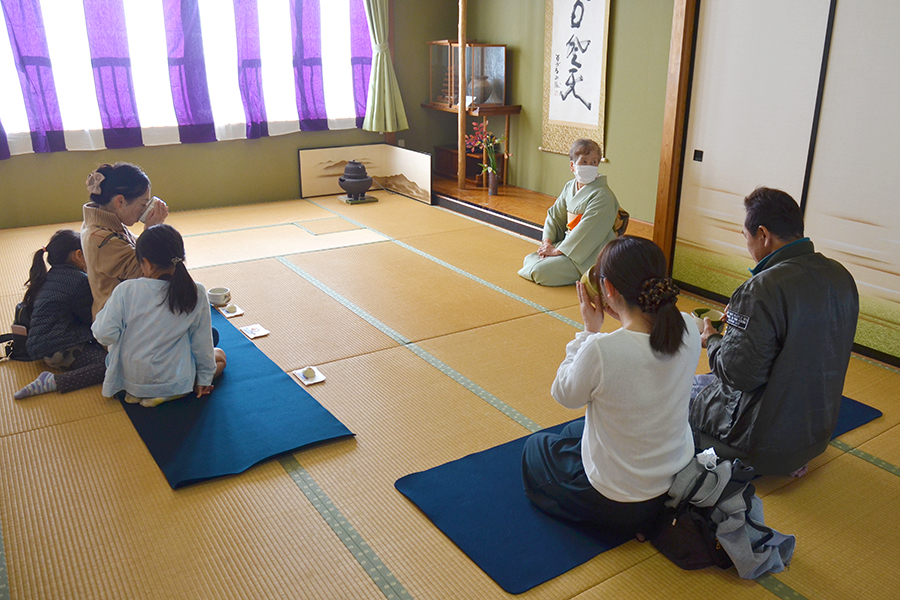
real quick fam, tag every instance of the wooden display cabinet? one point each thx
(485, 73)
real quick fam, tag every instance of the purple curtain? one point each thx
(360, 57)
(4, 144)
(29, 48)
(306, 36)
(113, 82)
(187, 71)
(246, 20)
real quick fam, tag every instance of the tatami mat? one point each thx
(658, 579)
(396, 216)
(468, 249)
(409, 293)
(307, 327)
(92, 517)
(194, 222)
(327, 225)
(85, 512)
(45, 410)
(514, 360)
(251, 244)
(847, 534)
(885, 446)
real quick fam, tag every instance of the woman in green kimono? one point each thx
(578, 224)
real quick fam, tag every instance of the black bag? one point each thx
(13, 344)
(686, 535)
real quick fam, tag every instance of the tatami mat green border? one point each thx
(368, 560)
(845, 447)
(771, 583)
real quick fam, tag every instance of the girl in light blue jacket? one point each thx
(158, 328)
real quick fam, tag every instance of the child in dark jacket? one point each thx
(60, 332)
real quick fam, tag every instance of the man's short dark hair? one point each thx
(776, 211)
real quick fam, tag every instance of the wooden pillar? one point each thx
(680, 48)
(461, 133)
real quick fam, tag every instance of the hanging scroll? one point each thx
(575, 44)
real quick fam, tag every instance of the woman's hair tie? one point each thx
(93, 182)
(656, 292)
(177, 259)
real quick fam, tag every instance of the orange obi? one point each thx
(574, 220)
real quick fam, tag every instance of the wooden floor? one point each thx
(518, 202)
(524, 210)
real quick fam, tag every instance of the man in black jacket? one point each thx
(774, 393)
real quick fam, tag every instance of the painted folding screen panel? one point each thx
(395, 169)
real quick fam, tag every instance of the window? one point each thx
(92, 74)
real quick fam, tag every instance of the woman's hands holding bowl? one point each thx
(592, 308)
(157, 214)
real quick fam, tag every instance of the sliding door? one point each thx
(750, 120)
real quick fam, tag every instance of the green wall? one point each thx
(49, 188)
(637, 66)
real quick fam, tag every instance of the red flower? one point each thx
(483, 139)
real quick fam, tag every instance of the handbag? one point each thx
(714, 517)
(13, 344)
(686, 534)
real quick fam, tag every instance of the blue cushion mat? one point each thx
(479, 503)
(256, 411)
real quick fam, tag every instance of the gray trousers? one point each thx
(551, 271)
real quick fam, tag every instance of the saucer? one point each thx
(238, 311)
(315, 378)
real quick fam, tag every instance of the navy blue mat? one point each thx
(479, 503)
(256, 411)
(852, 415)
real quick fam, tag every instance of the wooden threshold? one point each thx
(515, 209)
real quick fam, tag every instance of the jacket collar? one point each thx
(795, 248)
(102, 218)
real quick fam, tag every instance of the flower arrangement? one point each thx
(483, 139)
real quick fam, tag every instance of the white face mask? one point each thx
(584, 174)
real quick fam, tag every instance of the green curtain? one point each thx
(384, 108)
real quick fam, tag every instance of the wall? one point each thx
(637, 65)
(49, 188)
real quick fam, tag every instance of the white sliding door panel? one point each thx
(753, 97)
(853, 211)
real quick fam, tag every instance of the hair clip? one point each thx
(93, 182)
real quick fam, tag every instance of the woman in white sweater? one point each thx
(613, 468)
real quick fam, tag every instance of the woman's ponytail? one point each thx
(58, 249)
(163, 247)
